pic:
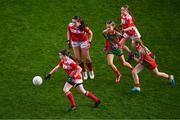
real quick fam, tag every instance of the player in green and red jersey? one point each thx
(113, 47)
(145, 58)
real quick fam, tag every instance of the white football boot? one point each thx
(136, 90)
(91, 74)
(173, 83)
(85, 75)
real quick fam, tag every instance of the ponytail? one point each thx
(82, 26)
(65, 52)
(70, 56)
(143, 46)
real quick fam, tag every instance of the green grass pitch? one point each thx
(33, 31)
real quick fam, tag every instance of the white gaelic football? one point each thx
(37, 80)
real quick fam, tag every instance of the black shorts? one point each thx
(71, 81)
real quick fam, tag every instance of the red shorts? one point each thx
(151, 65)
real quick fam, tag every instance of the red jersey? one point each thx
(71, 67)
(76, 34)
(127, 21)
(146, 57)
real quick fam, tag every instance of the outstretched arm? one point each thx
(48, 76)
(54, 70)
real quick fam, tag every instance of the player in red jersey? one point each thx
(74, 72)
(129, 29)
(145, 58)
(80, 36)
(113, 47)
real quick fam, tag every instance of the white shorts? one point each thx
(136, 35)
(83, 44)
(77, 81)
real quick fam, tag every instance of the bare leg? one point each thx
(126, 49)
(67, 88)
(135, 72)
(124, 62)
(86, 55)
(70, 96)
(138, 68)
(81, 89)
(110, 58)
(85, 52)
(133, 43)
(123, 41)
(77, 54)
(88, 94)
(161, 74)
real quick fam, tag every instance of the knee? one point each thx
(157, 73)
(65, 90)
(124, 63)
(110, 64)
(134, 45)
(134, 71)
(123, 40)
(79, 61)
(84, 92)
(88, 59)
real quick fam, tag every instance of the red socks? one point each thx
(117, 73)
(92, 96)
(169, 77)
(89, 65)
(137, 85)
(71, 99)
(88, 94)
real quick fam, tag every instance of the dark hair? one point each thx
(111, 22)
(83, 24)
(138, 42)
(142, 45)
(65, 52)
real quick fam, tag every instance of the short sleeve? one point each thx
(61, 63)
(87, 29)
(68, 28)
(73, 65)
